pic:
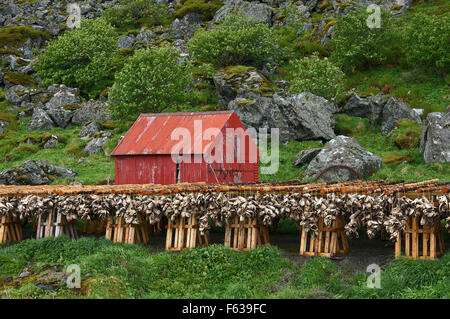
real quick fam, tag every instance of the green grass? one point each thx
(418, 88)
(133, 271)
(287, 153)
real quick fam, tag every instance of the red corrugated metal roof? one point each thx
(151, 133)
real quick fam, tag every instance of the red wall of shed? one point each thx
(145, 169)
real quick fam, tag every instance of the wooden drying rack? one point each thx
(412, 189)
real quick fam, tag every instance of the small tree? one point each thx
(81, 58)
(427, 39)
(235, 41)
(151, 81)
(356, 45)
(318, 76)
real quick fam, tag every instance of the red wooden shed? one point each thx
(169, 148)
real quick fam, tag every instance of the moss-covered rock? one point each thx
(396, 159)
(233, 81)
(407, 135)
(20, 78)
(15, 36)
(205, 7)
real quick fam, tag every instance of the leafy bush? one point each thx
(134, 14)
(318, 76)
(426, 40)
(206, 8)
(81, 58)
(150, 81)
(235, 41)
(355, 45)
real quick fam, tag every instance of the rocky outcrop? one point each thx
(95, 145)
(435, 141)
(393, 111)
(125, 42)
(49, 15)
(358, 106)
(240, 81)
(91, 111)
(62, 105)
(34, 173)
(343, 157)
(89, 130)
(17, 94)
(301, 116)
(57, 111)
(381, 111)
(258, 12)
(40, 121)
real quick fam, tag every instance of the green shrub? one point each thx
(235, 41)
(205, 7)
(134, 14)
(150, 81)
(81, 58)
(318, 76)
(355, 45)
(427, 38)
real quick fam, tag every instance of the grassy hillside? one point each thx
(132, 271)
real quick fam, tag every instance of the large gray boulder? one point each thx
(370, 107)
(40, 120)
(64, 96)
(435, 142)
(303, 116)
(357, 106)
(61, 116)
(380, 110)
(395, 110)
(91, 111)
(258, 12)
(17, 94)
(89, 130)
(62, 106)
(125, 42)
(34, 173)
(311, 112)
(340, 154)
